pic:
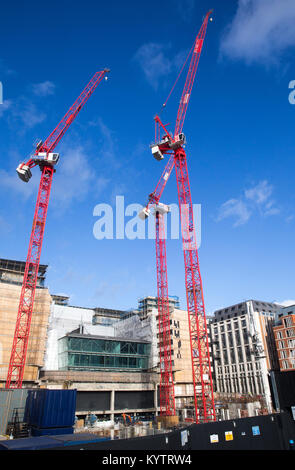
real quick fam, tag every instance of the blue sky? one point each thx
(240, 142)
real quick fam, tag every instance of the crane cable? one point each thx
(174, 85)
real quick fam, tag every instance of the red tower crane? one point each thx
(46, 159)
(173, 145)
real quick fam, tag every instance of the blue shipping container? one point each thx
(47, 408)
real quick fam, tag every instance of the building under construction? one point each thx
(111, 357)
(11, 279)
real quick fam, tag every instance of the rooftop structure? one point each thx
(147, 304)
(12, 272)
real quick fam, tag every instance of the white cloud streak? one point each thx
(260, 31)
(46, 88)
(255, 199)
(76, 178)
(154, 61)
(234, 208)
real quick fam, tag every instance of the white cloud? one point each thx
(259, 193)
(44, 88)
(74, 180)
(185, 9)
(11, 182)
(260, 31)
(286, 303)
(5, 227)
(234, 208)
(4, 107)
(23, 114)
(153, 61)
(109, 150)
(75, 177)
(255, 199)
(27, 112)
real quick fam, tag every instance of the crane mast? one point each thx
(167, 394)
(173, 145)
(46, 160)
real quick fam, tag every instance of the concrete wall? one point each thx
(103, 388)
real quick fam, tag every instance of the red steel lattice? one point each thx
(24, 316)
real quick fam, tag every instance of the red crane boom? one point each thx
(196, 50)
(46, 160)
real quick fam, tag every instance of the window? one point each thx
(238, 338)
(240, 355)
(225, 357)
(223, 341)
(285, 365)
(248, 353)
(288, 322)
(230, 339)
(246, 337)
(232, 355)
(281, 344)
(290, 332)
(279, 334)
(283, 354)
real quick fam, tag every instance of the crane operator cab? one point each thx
(159, 148)
(47, 158)
(179, 141)
(23, 170)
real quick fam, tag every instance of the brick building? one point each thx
(284, 331)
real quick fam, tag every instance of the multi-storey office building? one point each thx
(284, 331)
(244, 348)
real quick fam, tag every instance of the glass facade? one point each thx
(84, 353)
